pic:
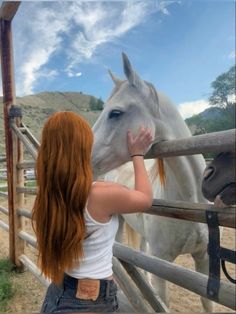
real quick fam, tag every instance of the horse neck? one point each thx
(183, 178)
(183, 173)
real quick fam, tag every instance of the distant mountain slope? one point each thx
(212, 120)
(36, 109)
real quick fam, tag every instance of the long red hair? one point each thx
(64, 178)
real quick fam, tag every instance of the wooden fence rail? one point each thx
(31, 149)
(4, 210)
(193, 211)
(30, 164)
(24, 213)
(4, 226)
(188, 279)
(33, 269)
(33, 140)
(4, 194)
(180, 210)
(26, 190)
(129, 288)
(197, 144)
(153, 299)
(28, 238)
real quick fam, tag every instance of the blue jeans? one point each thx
(63, 299)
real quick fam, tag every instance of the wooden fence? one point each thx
(130, 258)
(126, 260)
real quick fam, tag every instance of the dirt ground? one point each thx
(29, 292)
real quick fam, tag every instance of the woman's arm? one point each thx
(137, 147)
(111, 198)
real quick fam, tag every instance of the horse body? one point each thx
(134, 102)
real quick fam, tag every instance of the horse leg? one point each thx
(133, 238)
(161, 289)
(201, 261)
(160, 285)
(144, 248)
(127, 235)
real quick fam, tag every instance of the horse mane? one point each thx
(158, 169)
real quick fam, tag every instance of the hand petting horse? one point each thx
(219, 180)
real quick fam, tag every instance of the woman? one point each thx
(75, 219)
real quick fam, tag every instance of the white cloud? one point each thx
(162, 7)
(48, 73)
(103, 24)
(76, 29)
(232, 55)
(70, 73)
(232, 98)
(188, 109)
(36, 40)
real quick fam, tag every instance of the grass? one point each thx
(6, 290)
(31, 183)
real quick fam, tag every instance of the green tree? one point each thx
(93, 103)
(100, 104)
(223, 89)
(96, 104)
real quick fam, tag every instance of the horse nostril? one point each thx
(208, 173)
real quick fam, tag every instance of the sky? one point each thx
(179, 46)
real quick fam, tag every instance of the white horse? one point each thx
(134, 102)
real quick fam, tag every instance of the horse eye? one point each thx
(208, 172)
(115, 114)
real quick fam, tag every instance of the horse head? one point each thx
(219, 180)
(133, 102)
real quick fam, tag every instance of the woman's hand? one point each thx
(138, 144)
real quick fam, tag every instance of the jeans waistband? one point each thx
(105, 284)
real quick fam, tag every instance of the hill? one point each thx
(212, 120)
(36, 109)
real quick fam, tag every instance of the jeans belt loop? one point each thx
(108, 288)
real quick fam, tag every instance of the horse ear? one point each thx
(114, 78)
(130, 74)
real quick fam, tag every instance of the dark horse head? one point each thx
(219, 179)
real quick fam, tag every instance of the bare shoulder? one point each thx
(102, 197)
(107, 198)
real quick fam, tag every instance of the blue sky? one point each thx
(179, 46)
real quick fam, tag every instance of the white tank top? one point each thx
(97, 246)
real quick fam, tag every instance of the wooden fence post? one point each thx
(14, 150)
(18, 182)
